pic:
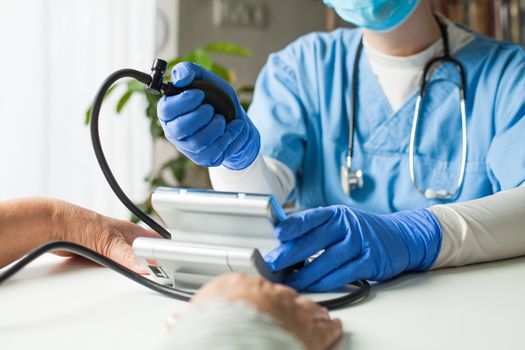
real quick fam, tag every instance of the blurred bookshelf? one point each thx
(500, 19)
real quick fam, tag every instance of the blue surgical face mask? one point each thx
(376, 15)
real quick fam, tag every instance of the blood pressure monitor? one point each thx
(211, 233)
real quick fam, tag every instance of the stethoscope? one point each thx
(351, 179)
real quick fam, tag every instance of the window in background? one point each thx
(54, 55)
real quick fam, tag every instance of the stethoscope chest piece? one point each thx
(351, 180)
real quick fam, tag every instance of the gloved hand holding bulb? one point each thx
(198, 132)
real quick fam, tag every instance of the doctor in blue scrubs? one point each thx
(402, 140)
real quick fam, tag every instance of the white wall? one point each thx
(54, 55)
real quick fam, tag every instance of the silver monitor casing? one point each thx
(212, 233)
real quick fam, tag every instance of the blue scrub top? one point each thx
(302, 105)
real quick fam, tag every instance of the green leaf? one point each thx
(158, 181)
(156, 130)
(202, 58)
(123, 100)
(245, 104)
(245, 89)
(145, 207)
(87, 118)
(227, 48)
(221, 71)
(151, 112)
(189, 57)
(135, 86)
(88, 112)
(245, 93)
(172, 64)
(199, 56)
(178, 167)
(151, 108)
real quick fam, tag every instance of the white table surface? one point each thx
(58, 303)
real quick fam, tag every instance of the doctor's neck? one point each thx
(416, 34)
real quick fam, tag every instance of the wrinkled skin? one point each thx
(303, 318)
(27, 223)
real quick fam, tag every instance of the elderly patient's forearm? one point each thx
(24, 225)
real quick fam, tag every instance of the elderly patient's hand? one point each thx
(303, 318)
(108, 236)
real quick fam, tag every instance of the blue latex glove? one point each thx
(198, 132)
(358, 245)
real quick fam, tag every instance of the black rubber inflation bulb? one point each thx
(214, 96)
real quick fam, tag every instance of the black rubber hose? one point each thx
(99, 153)
(332, 304)
(99, 259)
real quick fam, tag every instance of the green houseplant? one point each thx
(179, 167)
